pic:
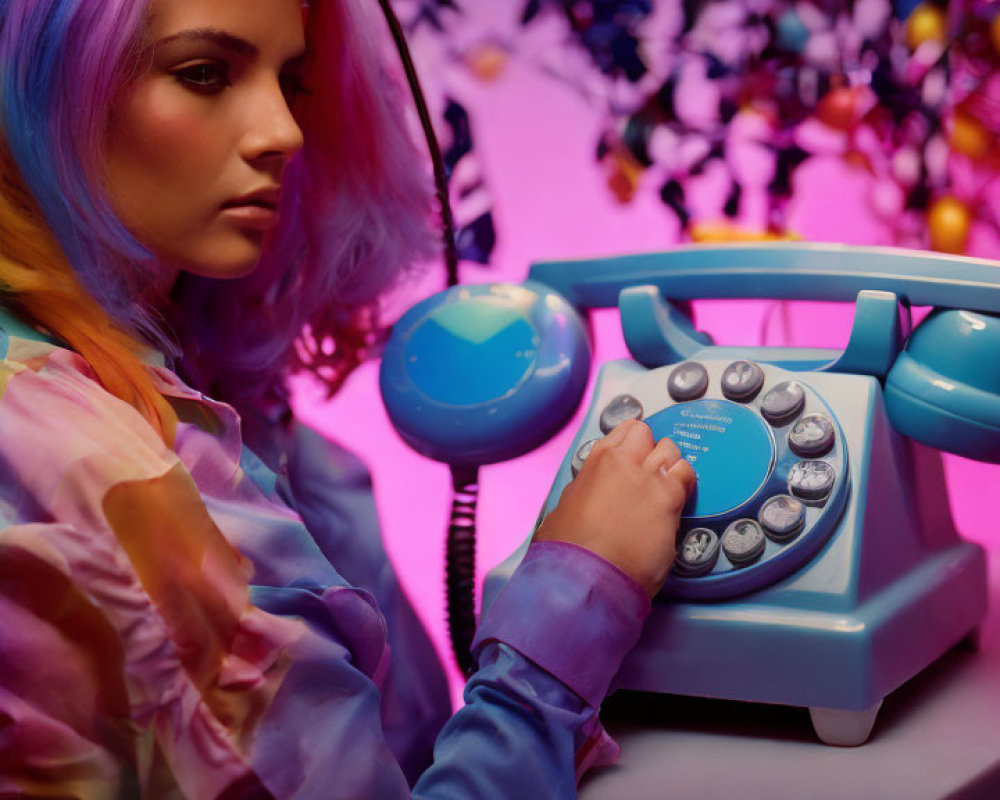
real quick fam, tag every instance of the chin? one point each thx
(224, 263)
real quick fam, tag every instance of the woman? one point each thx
(186, 186)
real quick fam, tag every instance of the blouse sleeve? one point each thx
(547, 650)
(65, 696)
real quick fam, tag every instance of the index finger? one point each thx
(634, 435)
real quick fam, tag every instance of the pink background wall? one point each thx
(536, 143)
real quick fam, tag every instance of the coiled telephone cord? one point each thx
(460, 570)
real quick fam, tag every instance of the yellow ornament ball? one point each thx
(926, 23)
(948, 223)
(969, 136)
(724, 232)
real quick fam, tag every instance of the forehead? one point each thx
(269, 25)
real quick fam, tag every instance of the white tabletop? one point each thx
(937, 736)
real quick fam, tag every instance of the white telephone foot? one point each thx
(842, 728)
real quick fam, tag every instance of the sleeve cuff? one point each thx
(571, 612)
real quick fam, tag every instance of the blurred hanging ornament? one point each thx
(623, 173)
(430, 12)
(471, 202)
(792, 32)
(870, 18)
(724, 232)
(842, 108)
(969, 136)
(859, 160)
(607, 29)
(907, 166)
(486, 60)
(948, 223)
(887, 198)
(936, 155)
(897, 88)
(927, 23)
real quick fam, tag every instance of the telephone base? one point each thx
(888, 588)
(842, 663)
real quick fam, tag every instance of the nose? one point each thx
(272, 134)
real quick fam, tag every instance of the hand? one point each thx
(625, 503)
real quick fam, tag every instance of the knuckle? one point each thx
(675, 489)
(617, 457)
(639, 433)
(668, 447)
(629, 426)
(600, 446)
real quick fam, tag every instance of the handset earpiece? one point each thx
(478, 374)
(944, 389)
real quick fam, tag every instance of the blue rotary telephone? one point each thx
(817, 562)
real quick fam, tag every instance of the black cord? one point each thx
(460, 570)
(460, 566)
(440, 171)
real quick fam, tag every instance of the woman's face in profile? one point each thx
(198, 142)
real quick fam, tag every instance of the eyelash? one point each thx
(293, 86)
(193, 77)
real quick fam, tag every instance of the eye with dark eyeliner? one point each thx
(204, 77)
(293, 85)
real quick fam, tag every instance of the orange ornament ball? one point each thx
(948, 223)
(995, 32)
(969, 136)
(487, 60)
(623, 175)
(838, 109)
(926, 23)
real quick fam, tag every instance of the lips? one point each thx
(256, 210)
(261, 198)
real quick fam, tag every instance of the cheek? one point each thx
(170, 161)
(164, 151)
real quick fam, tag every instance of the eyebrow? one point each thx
(227, 41)
(224, 40)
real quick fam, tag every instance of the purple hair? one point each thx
(60, 64)
(356, 210)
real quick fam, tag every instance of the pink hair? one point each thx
(358, 215)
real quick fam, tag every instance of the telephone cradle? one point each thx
(817, 564)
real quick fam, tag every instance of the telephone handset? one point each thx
(482, 373)
(943, 390)
(817, 564)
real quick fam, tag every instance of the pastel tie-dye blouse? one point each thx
(180, 623)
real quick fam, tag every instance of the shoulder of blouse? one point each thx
(64, 439)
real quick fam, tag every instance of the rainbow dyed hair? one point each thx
(356, 208)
